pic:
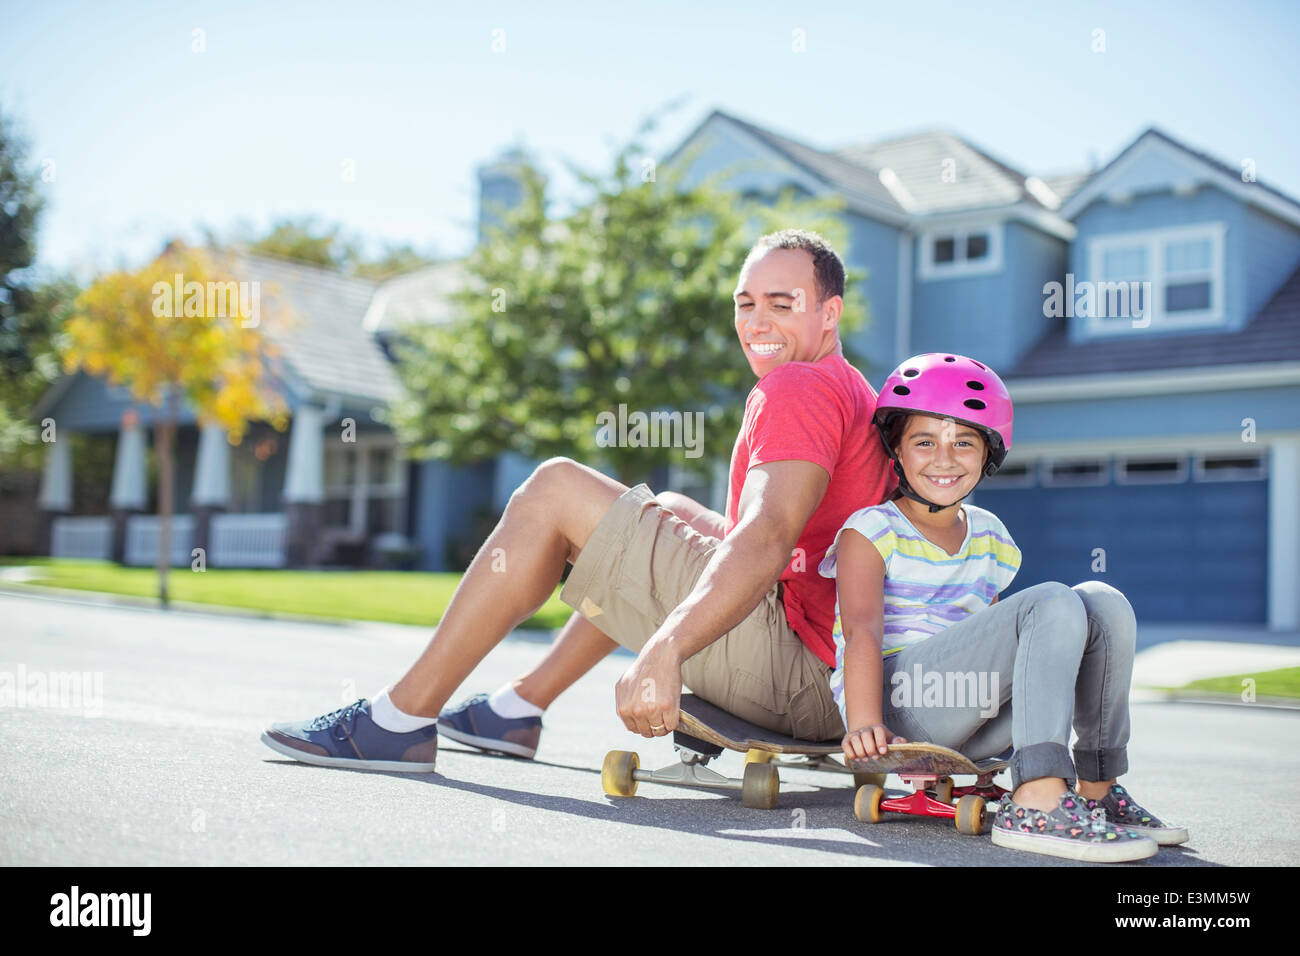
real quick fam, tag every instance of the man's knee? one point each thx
(547, 477)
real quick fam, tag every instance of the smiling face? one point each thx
(778, 317)
(942, 459)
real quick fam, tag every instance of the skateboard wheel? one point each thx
(759, 756)
(863, 779)
(616, 776)
(970, 815)
(866, 805)
(760, 786)
(943, 789)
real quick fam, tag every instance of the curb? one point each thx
(1158, 695)
(103, 599)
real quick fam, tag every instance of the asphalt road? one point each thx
(161, 764)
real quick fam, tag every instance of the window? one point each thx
(1228, 467)
(1018, 475)
(1077, 471)
(1151, 471)
(948, 253)
(365, 487)
(1168, 278)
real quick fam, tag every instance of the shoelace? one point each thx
(348, 713)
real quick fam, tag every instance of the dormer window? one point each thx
(1174, 277)
(961, 252)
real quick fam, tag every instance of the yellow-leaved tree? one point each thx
(179, 329)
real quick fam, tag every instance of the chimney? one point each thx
(501, 188)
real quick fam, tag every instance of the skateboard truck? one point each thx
(758, 788)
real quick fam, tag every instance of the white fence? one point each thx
(248, 541)
(82, 537)
(142, 533)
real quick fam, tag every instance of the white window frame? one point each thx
(930, 270)
(1154, 241)
(363, 487)
(1103, 477)
(1176, 477)
(1259, 472)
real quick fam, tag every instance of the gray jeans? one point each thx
(1017, 674)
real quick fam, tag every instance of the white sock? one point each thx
(509, 704)
(385, 713)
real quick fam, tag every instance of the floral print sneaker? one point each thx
(1072, 831)
(1122, 811)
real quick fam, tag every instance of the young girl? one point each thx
(917, 581)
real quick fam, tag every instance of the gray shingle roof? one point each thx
(1272, 336)
(857, 179)
(919, 162)
(324, 343)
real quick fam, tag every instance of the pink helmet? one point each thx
(952, 386)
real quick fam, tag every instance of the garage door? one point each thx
(1185, 539)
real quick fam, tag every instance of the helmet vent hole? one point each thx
(973, 362)
(974, 403)
(951, 358)
(912, 372)
(902, 390)
(978, 386)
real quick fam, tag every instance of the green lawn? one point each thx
(402, 597)
(1278, 683)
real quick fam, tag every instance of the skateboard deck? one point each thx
(701, 719)
(924, 759)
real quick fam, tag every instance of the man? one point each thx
(733, 606)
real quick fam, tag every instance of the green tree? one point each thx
(626, 301)
(29, 313)
(128, 329)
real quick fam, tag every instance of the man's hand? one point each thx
(870, 741)
(649, 694)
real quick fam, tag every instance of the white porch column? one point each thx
(1284, 534)
(56, 475)
(212, 469)
(304, 478)
(129, 491)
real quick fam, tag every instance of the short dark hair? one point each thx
(828, 269)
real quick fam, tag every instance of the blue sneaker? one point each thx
(349, 737)
(474, 722)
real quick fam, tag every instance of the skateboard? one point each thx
(704, 731)
(928, 767)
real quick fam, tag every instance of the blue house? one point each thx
(1146, 318)
(1145, 315)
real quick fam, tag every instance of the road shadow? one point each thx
(819, 820)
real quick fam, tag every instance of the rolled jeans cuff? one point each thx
(1095, 765)
(1047, 759)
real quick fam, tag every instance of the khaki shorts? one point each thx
(641, 562)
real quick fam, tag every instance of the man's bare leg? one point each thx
(581, 645)
(546, 524)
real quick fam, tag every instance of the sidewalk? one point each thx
(1169, 655)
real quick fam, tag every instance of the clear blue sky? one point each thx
(149, 138)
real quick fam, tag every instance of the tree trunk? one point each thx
(164, 434)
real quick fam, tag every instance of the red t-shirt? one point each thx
(818, 412)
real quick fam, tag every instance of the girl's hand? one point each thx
(870, 741)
